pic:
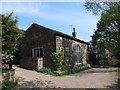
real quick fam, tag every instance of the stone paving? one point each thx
(93, 78)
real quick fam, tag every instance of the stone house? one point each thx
(39, 42)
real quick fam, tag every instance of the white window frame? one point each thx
(35, 52)
(77, 50)
(63, 51)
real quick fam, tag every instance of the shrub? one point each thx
(73, 71)
(57, 57)
(82, 68)
(118, 72)
(9, 85)
(45, 70)
(62, 73)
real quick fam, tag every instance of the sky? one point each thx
(60, 16)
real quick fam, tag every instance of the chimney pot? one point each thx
(74, 33)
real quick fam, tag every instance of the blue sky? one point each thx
(55, 15)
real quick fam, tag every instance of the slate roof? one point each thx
(60, 33)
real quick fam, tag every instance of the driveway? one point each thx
(93, 78)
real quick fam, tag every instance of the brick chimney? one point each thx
(74, 33)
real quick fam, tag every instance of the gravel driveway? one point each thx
(93, 78)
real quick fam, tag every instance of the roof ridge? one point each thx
(60, 33)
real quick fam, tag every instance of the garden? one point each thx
(63, 65)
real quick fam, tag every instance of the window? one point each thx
(77, 52)
(37, 52)
(62, 50)
(77, 48)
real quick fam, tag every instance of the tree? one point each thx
(11, 36)
(98, 7)
(107, 35)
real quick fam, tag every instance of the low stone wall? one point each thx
(8, 75)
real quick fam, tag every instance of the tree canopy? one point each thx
(98, 7)
(107, 34)
(11, 36)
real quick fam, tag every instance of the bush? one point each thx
(62, 73)
(82, 68)
(9, 85)
(77, 69)
(57, 57)
(73, 71)
(45, 70)
(118, 72)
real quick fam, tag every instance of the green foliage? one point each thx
(57, 57)
(82, 68)
(11, 36)
(97, 7)
(107, 35)
(118, 71)
(9, 85)
(7, 56)
(68, 60)
(77, 69)
(45, 70)
(73, 71)
(66, 65)
(62, 73)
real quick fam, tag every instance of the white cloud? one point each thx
(82, 21)
(20, 8)
(43, 11)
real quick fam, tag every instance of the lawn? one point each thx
(118, 72)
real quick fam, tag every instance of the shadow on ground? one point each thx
(98, 70)
(115, 86)
(33, 84)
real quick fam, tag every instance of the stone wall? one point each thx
(69, 44)
(29, 63)
(37, 36)
(8, 75)
(32, 63)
